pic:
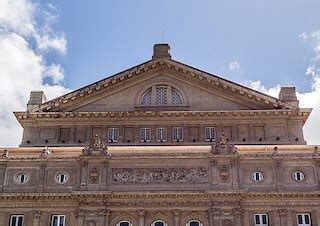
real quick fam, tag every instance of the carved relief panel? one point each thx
(160, 175)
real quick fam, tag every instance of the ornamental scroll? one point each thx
(160, 175)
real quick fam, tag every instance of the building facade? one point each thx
(161, 144)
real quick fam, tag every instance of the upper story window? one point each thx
(210, 133)
(298, 176)
(62, 178)
(16, 220)
(257, 176)
(145, 134)
(112, 135)
(22, 178)
(161, 134)
(161, 95)
(58, 220)
(261, 220)
(303, 219)
(177, 134)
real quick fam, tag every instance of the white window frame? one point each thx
(188, 224)
(59, 216)
(113, 133)
(175, 133)
(212, 133)
(57, 179)
(145, 138)
(254, 178)
(154, 222)
(16, 216)
(295, 176)
(118, 224)
(163, 134)
(303, 219)
(260, 215)
(18, 175)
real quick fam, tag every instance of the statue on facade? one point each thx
(96, 147)
(222, 146)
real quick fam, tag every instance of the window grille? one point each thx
(177, 134)
(210, 133)
(176, 97)
(146, 98)
(161, 97)
(112, 135)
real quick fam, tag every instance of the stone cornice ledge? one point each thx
(147, 195)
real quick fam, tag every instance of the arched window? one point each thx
(257, 176)
(161, 95)
(146, 98)
(194, 223)
(176, 97)
(159, 223)
(124, 223)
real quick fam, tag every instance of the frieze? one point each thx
(160, 175)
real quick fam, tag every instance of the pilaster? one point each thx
(36, 217)
(141, 215)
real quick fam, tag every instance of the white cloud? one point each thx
(309, 99)
(234, 66)
(22, 65)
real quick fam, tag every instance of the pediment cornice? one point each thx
(163, 64)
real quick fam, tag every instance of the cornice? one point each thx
(184, 69)
(302, 113)
(211, 195)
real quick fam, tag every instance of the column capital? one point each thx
(141, 213)
(283, 212)
(80, 213)
(36, 214)
(216, 211)
(176, 212)
(237, 211)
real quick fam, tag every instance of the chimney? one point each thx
(288, 95)
(36, 99)
(161, 51)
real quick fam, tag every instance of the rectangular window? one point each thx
(112, 135)
(58, 220)
(210, 133)
(177, 134)
(161, 134)
(303, 219)
(16, 220)
(261, 219)
(145, 134)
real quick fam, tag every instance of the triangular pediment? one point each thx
(201, 91)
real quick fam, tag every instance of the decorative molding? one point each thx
(94, 175)
(223, 147)
(160, 175)
(96, 147)
(224, 173)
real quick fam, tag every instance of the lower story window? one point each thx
(58, 220)
(112, 135)
(177, 134)
(194, 223)
(303, 219)
(16, 220)
(261, 219)
(159, 223)
(124, 223)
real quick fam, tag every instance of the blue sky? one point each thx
(105, 37)
(61, 45)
